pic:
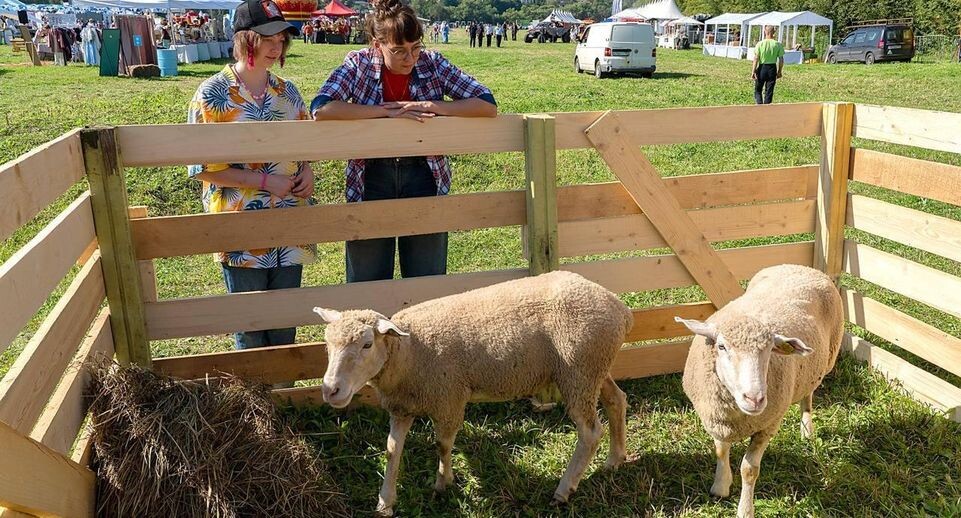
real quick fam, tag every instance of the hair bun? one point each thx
(387, 8)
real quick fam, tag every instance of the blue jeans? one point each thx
(241, 280)
(424, 254)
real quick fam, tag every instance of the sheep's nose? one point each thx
(755, 399)
(329, 391)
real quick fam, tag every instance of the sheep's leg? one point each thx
(399, 426)
(750, 469)
(807, 422)
(615, 407)
(446, 429)
(722, 473)
(589, 433)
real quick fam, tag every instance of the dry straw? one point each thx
(169, 447)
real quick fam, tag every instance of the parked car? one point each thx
(547, 31)
(893, 42)
(617, 47)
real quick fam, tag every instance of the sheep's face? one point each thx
(743, 355)
(356, 352)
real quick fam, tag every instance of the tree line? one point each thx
(930, 16)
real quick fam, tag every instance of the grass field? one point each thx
(877, 452)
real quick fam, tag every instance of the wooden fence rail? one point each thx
(183, 144)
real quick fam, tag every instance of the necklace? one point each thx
(258, 98)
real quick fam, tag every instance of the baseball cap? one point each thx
(262, 17)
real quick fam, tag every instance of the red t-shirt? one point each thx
(396, 86)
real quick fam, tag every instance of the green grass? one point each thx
(877, 452)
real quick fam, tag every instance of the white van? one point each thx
(613, 47)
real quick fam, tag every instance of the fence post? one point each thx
(121, 271)
(540, 160)
(837, 124)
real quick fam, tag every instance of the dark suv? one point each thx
(885, 42)
(547, 31)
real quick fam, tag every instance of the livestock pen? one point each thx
(42, 410)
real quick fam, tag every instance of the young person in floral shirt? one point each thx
(248, 91)
(397, 77)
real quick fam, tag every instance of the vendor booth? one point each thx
(734, 35)
(191, 47)
(722, 36)
(680, 33)
(787, 32)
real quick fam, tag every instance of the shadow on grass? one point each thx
(876, 453)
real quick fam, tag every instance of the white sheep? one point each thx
(791, 311)
(502, 342)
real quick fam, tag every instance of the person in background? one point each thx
(248, 91)
(91, 44)
(165, 38)
(397, 77)
(499, 33)
(767, 66)
(472, 33)
(489, 32)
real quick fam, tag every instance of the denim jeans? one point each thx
(241, 280)
(424, 254)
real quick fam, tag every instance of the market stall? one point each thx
(787, 32)
(722, 35)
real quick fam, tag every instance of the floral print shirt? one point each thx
(223, 98)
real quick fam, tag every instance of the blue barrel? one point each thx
(167, 61)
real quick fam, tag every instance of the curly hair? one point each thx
(393, 22)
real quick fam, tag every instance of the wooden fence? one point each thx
(41, 408)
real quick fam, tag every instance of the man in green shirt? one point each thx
(767, 67)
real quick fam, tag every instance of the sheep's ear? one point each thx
(329, 315)
(386, 327)
(697, 327)
(787, 346)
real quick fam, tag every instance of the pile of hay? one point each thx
(169, 447)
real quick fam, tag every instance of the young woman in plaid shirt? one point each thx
(397, 77)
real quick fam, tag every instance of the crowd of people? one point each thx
(328, 30)
(479, 32)
(394, 76)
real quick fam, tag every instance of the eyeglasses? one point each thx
(401, 52)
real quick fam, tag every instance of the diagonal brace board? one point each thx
(609, 136)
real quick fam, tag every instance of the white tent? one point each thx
(12, 6)
(729, 19)
(160, 4)
(684, 21)
(659, 10)
(793, 19)
(630, 14)
(562, 16)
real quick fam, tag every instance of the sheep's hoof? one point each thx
(383, 509)
(718, 491)
(807, 429)
(614, 461)
(441, 485)
(558, 500)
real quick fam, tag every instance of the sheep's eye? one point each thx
(368, 344)
(720, 347)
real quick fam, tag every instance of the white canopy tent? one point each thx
(728, 19)
(562, 16)
(659, 10)
(787, 20)
(160, 4)
(12, 6)
(684, 21)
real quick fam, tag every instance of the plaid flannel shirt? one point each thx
(358, 80)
